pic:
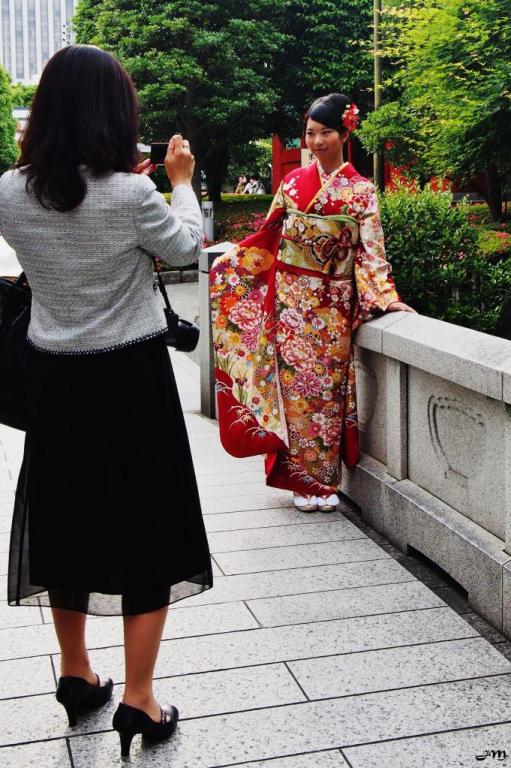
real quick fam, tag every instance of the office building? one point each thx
(30, 33)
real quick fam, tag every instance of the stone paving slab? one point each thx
(25, 617)
(26, 677)
(398, 668)
(299, 556)
(458, 749)
(302, 580)
(104, 632)
(258, 735)
(303, 641)
(310, 533)
(202, 695)
(337, 604)
(50, 754)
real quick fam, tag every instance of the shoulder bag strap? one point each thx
(161, 286)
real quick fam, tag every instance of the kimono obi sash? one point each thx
(325, 244)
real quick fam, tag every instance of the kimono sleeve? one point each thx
(375, 285)
(277, 202)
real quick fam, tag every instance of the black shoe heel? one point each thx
(72, 714)
(129, 721)
(75, 693)
(126, 739)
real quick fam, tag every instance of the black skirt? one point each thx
(107, 516)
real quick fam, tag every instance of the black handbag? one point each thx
(181, 334)
(15, 300)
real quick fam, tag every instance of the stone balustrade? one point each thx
(435, 425)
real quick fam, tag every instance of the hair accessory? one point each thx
(350, 118)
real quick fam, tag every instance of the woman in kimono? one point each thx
(285, 303)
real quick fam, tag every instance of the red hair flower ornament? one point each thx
(350, 118)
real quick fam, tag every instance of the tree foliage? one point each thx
(202, 68)
(22, 95)
(328, 50)
(449, 70)
(8, 151)
(226, 72)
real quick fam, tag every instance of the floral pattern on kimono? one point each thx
(285, 302)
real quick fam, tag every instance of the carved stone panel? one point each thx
(371, 403)
(456, 441)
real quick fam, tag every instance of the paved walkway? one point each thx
(315, 649)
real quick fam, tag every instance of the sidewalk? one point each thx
(314, 649)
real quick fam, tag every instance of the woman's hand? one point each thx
(399, 306)
(179, 161)
(146, 167)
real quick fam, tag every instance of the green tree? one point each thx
(8, 151)
(450, 74)
(202, 68)
(22, 95)
(328, 50)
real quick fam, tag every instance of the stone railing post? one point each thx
(397, 419)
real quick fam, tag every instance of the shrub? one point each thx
(431, 245)
(434, 248)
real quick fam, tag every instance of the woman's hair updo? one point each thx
(329, 111)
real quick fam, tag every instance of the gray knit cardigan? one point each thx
(89, 269)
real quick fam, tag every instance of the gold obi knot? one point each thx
(325, 244)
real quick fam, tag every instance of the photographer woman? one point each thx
(107, 515)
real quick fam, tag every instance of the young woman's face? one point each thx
(325, 143)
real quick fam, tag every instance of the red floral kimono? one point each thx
(285, 303)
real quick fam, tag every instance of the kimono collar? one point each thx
(314, 184)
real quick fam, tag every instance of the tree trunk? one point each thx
(494, 198)
(215, 166)
(196, 181)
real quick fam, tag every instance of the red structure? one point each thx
(286, 157)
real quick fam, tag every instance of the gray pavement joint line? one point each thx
(237, 631)
(270, 760)
(348, 762)
(227, 713)
(296, 567)
(279, 546)
(307, 697)
(313, 658)
(220, 569)
(249, 609)
(284, 661)
(276, 524)
(426, 735)
(344, 618)
(70, 753)
(299, 567)
(54, 671)
(100, 731)
(315, 591)
(297, 658)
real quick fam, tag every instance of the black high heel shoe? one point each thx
(129, 721)
(75, 693)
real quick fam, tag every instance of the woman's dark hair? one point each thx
(84, 112)
(328, 110)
